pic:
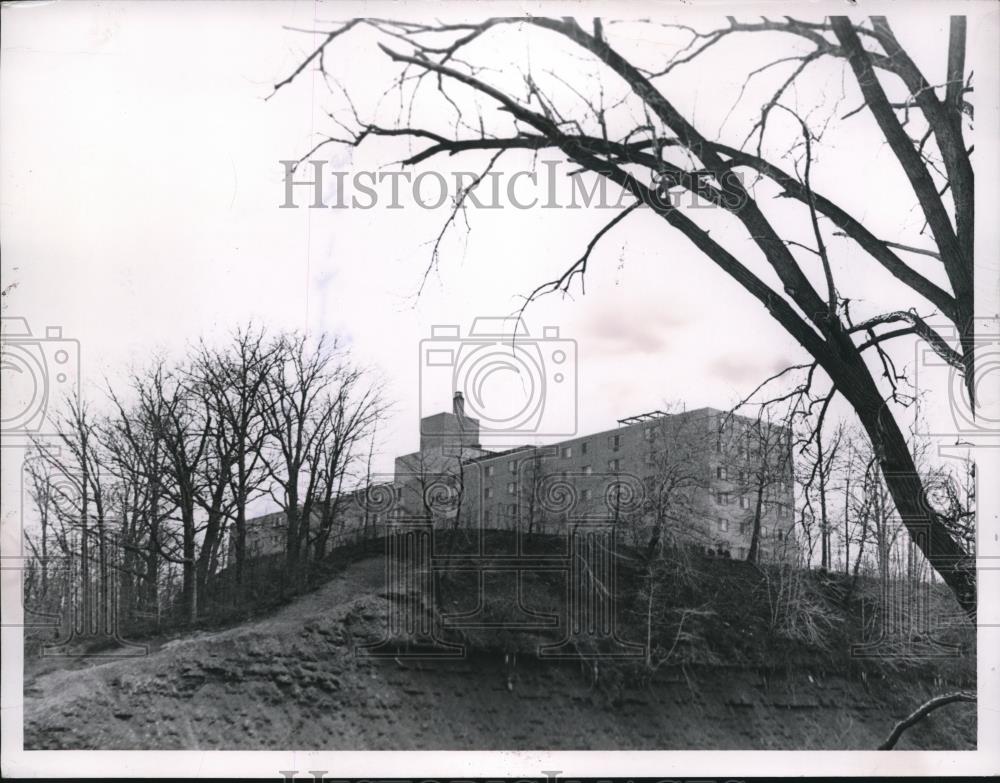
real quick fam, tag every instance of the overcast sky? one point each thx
(141, 185)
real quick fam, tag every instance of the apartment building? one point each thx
(701, 476)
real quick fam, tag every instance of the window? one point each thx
(511, 488)
(743, 553)
(489, 470)
(718, 447)
(723, 525)
(722, 498)
(489, 492)
(513, 466)
(721, 472)
(583, 447)
(763, 530)
(615, 441)
(513, 509)
(780, 535)
(399, 493)
(567, 452)
(488, 516)
(585, 494)
(744, 501)
(587, 470)
(614, 464)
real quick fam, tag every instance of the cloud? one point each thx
(637, 326)
(742, 370)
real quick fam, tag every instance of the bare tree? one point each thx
(530, 478)
(432, 485)
(43, 494)
(664, 150)
(765, 472)
(183, 429)
(817, 486)
(298, 422)
(130, 446)
(234, 379)
(78, 481)
(355, 408)
(137, 456)
(673, 474)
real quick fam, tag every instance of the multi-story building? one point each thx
(701, 476)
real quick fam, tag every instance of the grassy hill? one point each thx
(730, 656)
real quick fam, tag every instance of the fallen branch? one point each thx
(921, 712)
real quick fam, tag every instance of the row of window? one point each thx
(488, 493)
(723, 499)
(586, 470)
(742, 476)
(721, 471)
(566, 452)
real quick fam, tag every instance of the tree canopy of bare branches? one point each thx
(165, 472)
(646, 145)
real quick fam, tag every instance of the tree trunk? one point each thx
(824, 533)
(925, 528)
(292, 532)
(242, 494)
(241, 545)
(847, 529)
(755, 535)
(190, 577)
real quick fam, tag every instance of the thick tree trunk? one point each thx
(151, 577)
(292, 532)
(905, 485)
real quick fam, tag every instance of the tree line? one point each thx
(144, 492)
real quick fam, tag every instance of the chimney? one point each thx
(458, 405)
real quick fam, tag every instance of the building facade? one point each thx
(702, 477)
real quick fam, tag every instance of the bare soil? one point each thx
(293, 680)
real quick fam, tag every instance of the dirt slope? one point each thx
(292, 680)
